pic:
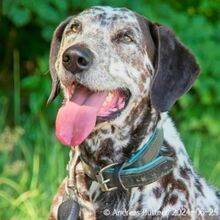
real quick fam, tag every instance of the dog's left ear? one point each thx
(54, 48)
(175, 68)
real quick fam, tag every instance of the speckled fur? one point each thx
(182, 194)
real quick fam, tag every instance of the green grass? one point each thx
(26, 190)
(30, 171)
(204, 153)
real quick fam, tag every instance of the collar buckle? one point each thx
(101, 180)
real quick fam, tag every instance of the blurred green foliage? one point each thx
(32, 162)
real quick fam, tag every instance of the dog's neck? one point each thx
(111, 143)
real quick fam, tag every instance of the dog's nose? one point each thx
(77, 58)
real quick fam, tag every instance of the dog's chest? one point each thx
(182, 192)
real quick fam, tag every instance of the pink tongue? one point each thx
(76, 119)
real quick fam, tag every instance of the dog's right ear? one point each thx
(54, 48)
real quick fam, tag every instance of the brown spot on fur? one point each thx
(137, 110)
(141, 86)
(173, 199)
(169, 199)
(150, 70)
(143, 77)
(175, 184)
(169, 183)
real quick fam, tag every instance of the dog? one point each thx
(121, 74)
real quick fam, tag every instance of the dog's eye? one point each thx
(76, 27)
(125, 37)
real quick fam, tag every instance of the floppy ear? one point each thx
(175, 69)
(54, 48)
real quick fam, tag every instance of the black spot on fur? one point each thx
(98, 8)
(104, 154)
(139, 204)
(102, 18)
(157, 192)
(196, 195)
(184, 172)
(141, 188)
(104, 131)
(168, 150)
(199, 187)
(115, 17)
(112, 129)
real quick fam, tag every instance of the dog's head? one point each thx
(112, 59)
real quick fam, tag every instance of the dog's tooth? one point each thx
(105, 103)
(109, 97)
(67, 93)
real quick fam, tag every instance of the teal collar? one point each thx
(145, 166)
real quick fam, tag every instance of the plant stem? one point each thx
(16, 73)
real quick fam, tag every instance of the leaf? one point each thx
(19, 16)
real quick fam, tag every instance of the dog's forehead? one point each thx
(105, 15)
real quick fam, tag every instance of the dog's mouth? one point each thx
(82, 108)
(109, 104)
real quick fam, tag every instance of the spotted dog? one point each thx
(129, 71)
